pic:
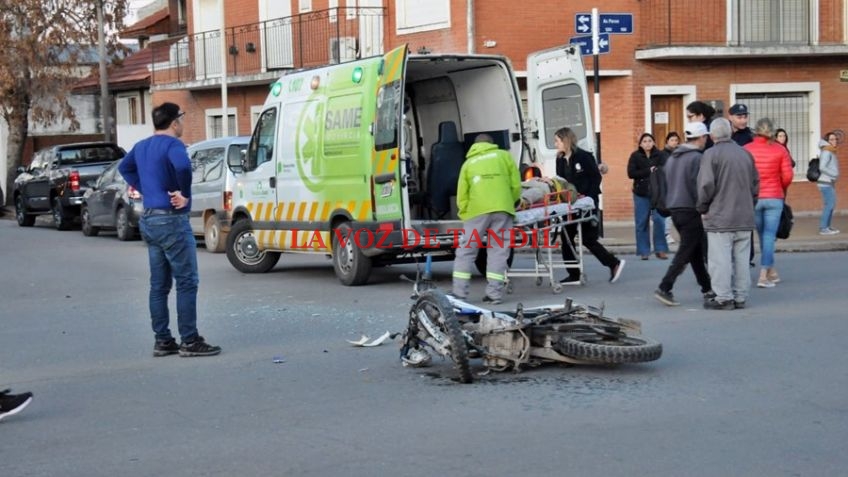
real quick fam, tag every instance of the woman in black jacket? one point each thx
(644, 160)
(580, 168)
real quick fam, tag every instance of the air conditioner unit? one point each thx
(343, 49)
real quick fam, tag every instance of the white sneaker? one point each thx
(828, 231)
(416, 358)
(669, 239)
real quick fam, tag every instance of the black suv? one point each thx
(57, 178)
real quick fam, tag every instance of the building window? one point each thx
(793, 107)
(415, 16)
(304, 6)
(351, 9)
(215, 123)
(766, 22)
(334, 11)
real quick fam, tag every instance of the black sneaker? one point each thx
(165, 348)
(713, 304)
(198, 347)
(11, 404)
(492, 301)
(738, 305)
(709, 295)
(615, 271)
(665, 297)
(571, 280)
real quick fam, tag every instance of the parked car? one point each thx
(212, 188)
(111, 203)
(57, 178)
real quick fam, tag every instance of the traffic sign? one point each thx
(615, 23)
(585, 43)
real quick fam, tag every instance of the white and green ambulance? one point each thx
(359, 160)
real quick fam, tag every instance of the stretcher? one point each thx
(542, 225)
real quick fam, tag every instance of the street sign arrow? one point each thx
(585, 43)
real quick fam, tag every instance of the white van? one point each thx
(360, 160)
(212, 188)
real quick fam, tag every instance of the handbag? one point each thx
(784, 228)
(813, 171)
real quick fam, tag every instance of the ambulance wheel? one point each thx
(243, 251)
(480, 261)
(351, 265)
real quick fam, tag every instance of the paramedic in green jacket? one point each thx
(487, 191)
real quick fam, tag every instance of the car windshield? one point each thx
(89, 154)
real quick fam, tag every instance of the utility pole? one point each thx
(105, 104)
(225, 117)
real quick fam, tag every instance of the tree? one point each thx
(43, 43)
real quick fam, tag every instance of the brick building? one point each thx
(784, 58)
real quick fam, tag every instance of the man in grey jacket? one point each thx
(681, 173)
(728, 185)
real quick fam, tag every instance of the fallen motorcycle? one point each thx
(504, 340)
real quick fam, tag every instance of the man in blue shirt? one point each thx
(160, 169)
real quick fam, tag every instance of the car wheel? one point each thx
(122, 225)
(60, 218)
(87, 229)
(215, 243)
(24, 219)
(352, 266)
(243, 252)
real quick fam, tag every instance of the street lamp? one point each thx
(104, 81)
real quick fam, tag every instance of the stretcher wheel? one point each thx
(509, 288)
(557, 288)
(538, 281)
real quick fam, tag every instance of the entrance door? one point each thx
(276, 34)
(370, 28)
(666, 116)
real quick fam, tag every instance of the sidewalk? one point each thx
(619, 236)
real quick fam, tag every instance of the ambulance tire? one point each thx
(243, 253)
(352, 266)
(482, 255)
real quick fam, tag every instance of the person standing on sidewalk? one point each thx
(486, 194)
(829, 167)
(774, 167)
(728, 185)
(738, 117)
(160, 169)
(672, 140)
(681, 173)
(580, 168)
(643, 161)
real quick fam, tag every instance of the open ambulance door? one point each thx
(557, 97)
(388, 183)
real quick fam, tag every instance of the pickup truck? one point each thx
(57, 178)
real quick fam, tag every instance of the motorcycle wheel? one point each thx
(433, 311)
(596, 347)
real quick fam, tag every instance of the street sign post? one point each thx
(613, 23)
(585, 43)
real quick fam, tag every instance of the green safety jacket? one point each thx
(488, 182)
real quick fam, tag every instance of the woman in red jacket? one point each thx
(775, 169)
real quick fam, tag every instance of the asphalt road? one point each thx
(760, 391)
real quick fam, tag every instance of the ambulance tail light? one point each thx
(228, 200)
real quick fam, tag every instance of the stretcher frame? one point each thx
(549, 227)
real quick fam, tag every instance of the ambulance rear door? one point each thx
(389, 194)
(557, 97)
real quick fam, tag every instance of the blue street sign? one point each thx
(585, 43)
(616, 23)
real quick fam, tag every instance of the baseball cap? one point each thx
(738, 109)
(695, 130)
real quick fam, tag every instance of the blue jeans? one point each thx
(829, 200)
(643, 214)
(767, 218)
(172, 252)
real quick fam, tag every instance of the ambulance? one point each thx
(359, 161)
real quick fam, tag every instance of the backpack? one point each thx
(659, 188)
(813, 171)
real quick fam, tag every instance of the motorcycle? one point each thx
(524, 337)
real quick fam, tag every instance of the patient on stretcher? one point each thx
(537, 191)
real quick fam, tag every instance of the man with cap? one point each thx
(681, 173)
(728, 186)
(738, 116)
